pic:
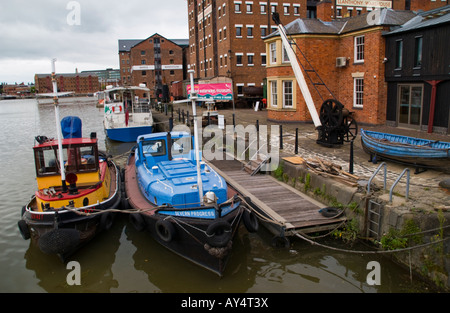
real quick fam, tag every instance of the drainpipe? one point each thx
(433, 84)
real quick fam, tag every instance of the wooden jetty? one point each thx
(284, 210)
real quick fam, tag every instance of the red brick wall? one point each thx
(322, 51)
(136, 58)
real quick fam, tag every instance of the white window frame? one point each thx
(236, 26)
(263, 5)
(242, 56)
(285, 94)
(237, 89)
(240, 6)
(249, 3)
(273, 93)
(252, 28)
(263, 55)
(359, 49)
(358, 92)
(261, 28)
(253, 59)
(296, 8)
(273, 52)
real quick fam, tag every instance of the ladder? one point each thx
(374, 215)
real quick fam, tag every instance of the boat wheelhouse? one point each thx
(126, 117)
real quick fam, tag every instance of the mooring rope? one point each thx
(302, 236)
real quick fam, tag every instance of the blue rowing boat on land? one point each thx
(422, 153)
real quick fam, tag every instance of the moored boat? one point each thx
(78, 190)
(127, 117)
(161, 184)
(187, 206)
(421, 153)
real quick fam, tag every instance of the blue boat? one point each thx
(421, 153)
(189, 209)
(126, 117)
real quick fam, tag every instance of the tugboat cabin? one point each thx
(167, 171)
(86, 174)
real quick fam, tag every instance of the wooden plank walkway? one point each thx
(287, 209)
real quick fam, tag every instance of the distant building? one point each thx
(417, 72)
(155, 61)
(17, 90)
(106, 77)
(79, 83)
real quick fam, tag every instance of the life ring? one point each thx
(219, 234)
(137, 221)
(251, 222)
(118, 108)
(106, 221)
(165, 230)
(24, 230)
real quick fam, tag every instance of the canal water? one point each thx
(126, 261)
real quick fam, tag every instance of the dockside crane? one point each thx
(335, 123)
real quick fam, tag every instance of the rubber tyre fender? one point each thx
(24, 230)
(106, 221)
(137, 221)
(330, 212)
(251, 222)
(219, 234)
(165, 230)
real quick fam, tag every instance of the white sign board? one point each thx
(366, 3)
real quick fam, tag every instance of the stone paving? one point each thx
(424, 187)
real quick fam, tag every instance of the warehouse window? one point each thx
(359, 49)
(358, 92)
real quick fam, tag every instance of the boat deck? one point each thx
(285, 209)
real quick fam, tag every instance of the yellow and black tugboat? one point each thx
(78, 189)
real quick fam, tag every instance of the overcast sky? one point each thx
(34, 32)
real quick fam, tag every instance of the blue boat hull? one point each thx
(202, 234)
(409, 150)
(128, 134)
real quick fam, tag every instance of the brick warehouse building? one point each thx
(79, 83)
(225, 38)
(348, 55)
(336, 9)
(155, 62)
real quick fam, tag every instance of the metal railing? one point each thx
(375, 173)
(407, 171)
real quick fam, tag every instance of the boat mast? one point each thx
(297, 71)
(196, 139)
(58, 127)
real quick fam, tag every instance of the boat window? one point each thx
(154, 147)
(181, 145)
(47, 162)
(76, 159)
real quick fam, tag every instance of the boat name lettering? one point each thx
(194, 213)
(37, 216)
(87, 211)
